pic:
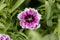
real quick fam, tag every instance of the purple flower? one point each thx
(29, 18)
(4, 37)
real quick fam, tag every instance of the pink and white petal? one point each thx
(7, 37)
(22, 24)
(31, 12)
(35, 26)
(27, 12)
(34, 12)
(27, 25)
(26, 9)
(32, 25)
(36, 20)
(39, 16)
(32, 9)
(2, 38)
(0, 35)
(38, 26)
(21, 16)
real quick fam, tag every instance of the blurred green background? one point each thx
(50, 23)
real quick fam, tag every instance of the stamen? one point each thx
(29, 18)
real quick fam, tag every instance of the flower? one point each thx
(29, 18)
(4, 37)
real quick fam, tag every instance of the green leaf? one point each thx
(48, 10)
(13, 36)
(45, 37)
(34, 35)
(50, 37)
(16, 5)
(2, 25)
(51, 2)
(53, 36)
(50, 23)
(2, 1)
(23, 35)
(14, 13)
(2, 6)
(58, 6)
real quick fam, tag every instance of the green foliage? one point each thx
(16, 5)
(2, 6)
(50, 23)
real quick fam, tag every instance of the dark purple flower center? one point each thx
(29, 18)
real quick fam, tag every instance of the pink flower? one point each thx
(29, 18)
(4, 37)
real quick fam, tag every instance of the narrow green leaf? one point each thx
(23, 35)
(48, 10)
(49, 23)
(49, 13)
(17, 4)
(2, 6)
(51, 2)
(58, 6)
(2, 1)
(13, 36)
(2, 25)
